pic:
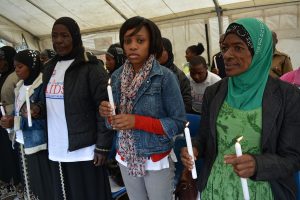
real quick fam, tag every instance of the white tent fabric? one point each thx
(182, 21)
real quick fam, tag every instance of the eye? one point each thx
(127, 41)
(224, 49)
(238, 48)
(140, 41)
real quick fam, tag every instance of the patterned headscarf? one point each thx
(31, 59)
(130, 85)
(245, 91)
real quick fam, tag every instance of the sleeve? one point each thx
(186, 92)
(285, 160)
(148, 124)
(98, 79)
(173, 123)
(7, 92)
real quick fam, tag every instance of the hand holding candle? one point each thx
(238, 150)
(110, 97)
(28, 107)
(3, 114)
(190, 149)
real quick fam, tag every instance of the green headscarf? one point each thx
(245, 91)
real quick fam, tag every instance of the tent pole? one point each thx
(219, 12)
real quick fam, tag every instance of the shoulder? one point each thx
(283, 90)
(213, 77)
(214, 88)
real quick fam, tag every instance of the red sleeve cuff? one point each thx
(148, 124)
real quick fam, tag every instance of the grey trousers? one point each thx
(156, 185)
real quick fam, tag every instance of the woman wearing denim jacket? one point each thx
(33, 140)
(150, 113)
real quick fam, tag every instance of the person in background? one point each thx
(250, 103)
(46, 55)
(78, 140)
(10, 177)
(200, 78)
(167, 60)
(281, 62)
(218, 66)
(32, 140)
(292, 77)
(150, 113)
(114, 57)
(191, 51)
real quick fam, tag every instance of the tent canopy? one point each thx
(184, 22)
(38, 16)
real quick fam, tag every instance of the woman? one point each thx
(167, 60)
(32, 140)
(251, 104)
(191, 51)
(9, 167)
(151, 113)
(77, 137)
(114, 58)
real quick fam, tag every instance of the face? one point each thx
(44, 58)
(198, 73)
(164, 57)
(62, 40)
(236, 55)
(137, 47)
(22, 70)
(110, 63)
(188, 55)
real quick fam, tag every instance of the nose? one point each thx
(133, 46)
(227, 54)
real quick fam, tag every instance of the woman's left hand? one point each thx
(123, 121)
(99, 159)
(244, 166)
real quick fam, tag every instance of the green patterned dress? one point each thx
(223, 183)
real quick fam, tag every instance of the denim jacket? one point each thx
(158, 97)
(35, 138)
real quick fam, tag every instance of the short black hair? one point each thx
(198, 60)
(138, 22)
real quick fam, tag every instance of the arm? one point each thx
(286, 160)
(98, 79)
(174, 122)
(186, 91)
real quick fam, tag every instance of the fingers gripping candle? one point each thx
(110, 97)
(238, 150)
(190, 148)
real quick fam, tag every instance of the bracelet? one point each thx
(105, 150)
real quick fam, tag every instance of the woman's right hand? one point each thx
(7, 121)
(105, 109)
(186, 159)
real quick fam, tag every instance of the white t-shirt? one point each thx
(58, 141)
(19, 101)
(199, 88)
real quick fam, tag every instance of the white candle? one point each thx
(28, 107)
(110, 97)
(215, 61)
(190, 149)
(238, 150)
(3, 114)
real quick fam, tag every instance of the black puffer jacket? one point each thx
(84, 88)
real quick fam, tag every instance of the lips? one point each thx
(133, 56)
